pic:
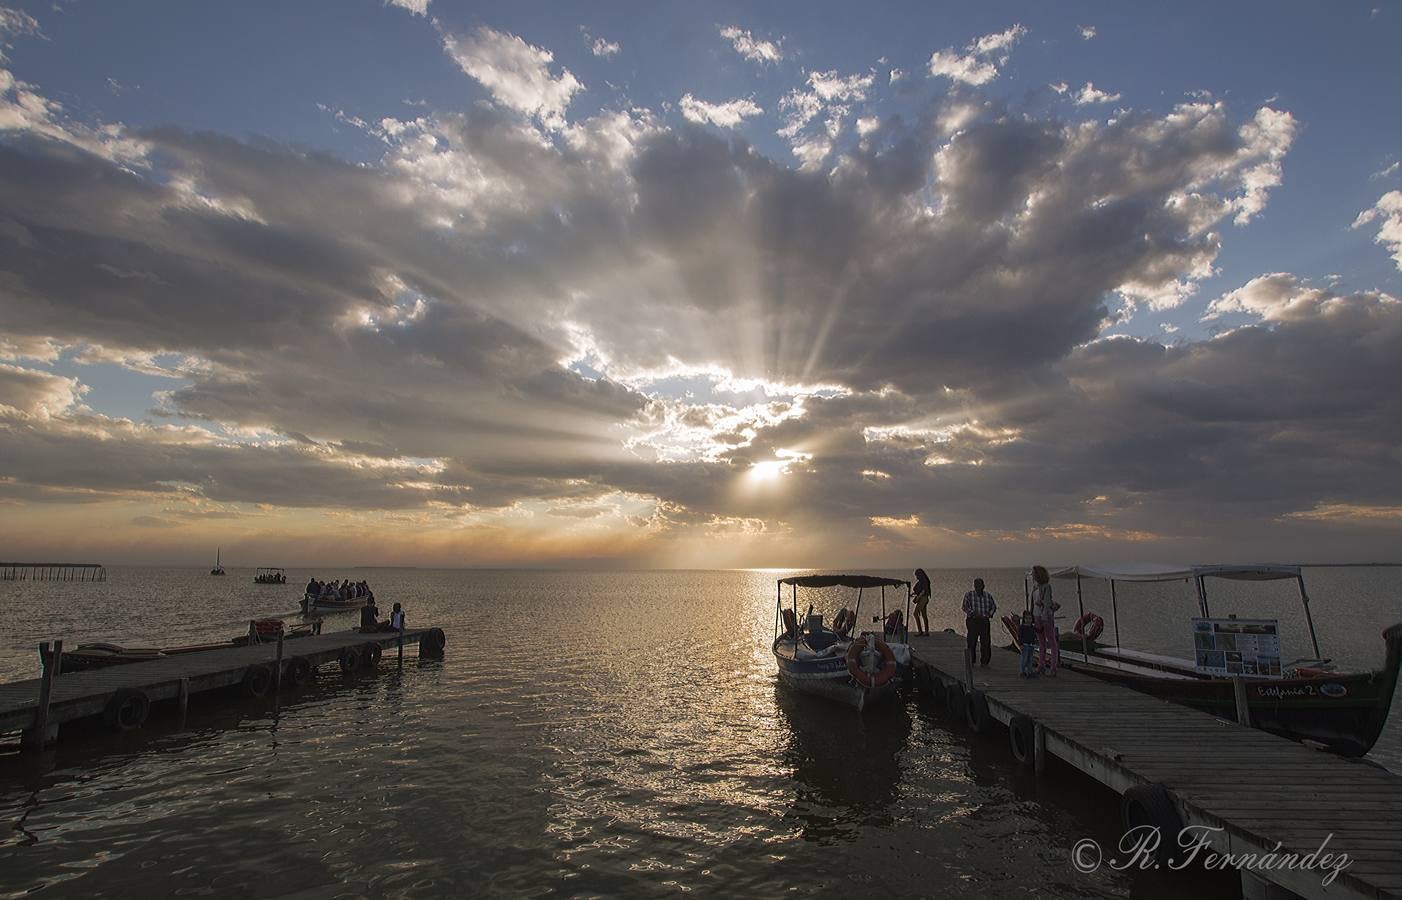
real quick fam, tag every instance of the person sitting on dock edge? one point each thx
(978, 608)
(369, 617)
(396, 618)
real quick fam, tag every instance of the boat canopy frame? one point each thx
(1197, 575)
(860, 582)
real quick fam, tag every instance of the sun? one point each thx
(769, 470)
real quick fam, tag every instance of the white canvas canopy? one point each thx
(1161, 572)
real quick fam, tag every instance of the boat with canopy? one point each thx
(830, 660)
(1305, 699)
(270, 575)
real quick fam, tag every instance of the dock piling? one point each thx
(182, 699)
(42, 734)
(1243, 709)
(277, 668)
(400, 642)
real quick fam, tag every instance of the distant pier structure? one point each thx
(26, 571)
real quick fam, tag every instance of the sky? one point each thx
(700, 285)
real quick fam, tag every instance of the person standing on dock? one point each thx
(1044, 614)
(922, 602)
(978, 609)
(1027, 637)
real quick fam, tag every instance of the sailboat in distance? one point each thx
(218, 569)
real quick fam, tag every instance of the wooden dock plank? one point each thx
(1263, 790)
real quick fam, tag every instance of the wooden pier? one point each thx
(1265, 793)
(22, 571)
(122, 694)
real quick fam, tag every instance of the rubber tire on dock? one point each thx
(296, 672)
(1152, 804)
(433, 642)
(258, 680)
(127, 710)
(1022, 740)
(954, 700)
(370, 656)
(976, 714)
(350, 659)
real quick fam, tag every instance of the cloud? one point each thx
(516, 73)
(724, 115)
(601, 47)
(417, 7)
(980, 62)
(1091, 94)
(752, 48)
(1387, 212)
(489, 327)
(1086, 31)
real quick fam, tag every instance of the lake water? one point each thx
(586, 734)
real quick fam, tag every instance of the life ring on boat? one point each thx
(843, 622)
(127, 710)
(1011, 625)
(861, 676)
(257, 679)
(1022, 739)
(1088, 626)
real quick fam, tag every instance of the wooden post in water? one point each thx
(1243, 709)
(401, 647)
(969, 668)
(37, 738)
(183, 698)
(277, 668)
(1039, 744)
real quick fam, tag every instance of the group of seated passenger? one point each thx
(338, 590)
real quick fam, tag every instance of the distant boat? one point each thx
(270, 575)
(218, 569)
(828, 661)
(1306, 699)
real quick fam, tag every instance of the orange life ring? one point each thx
(1011, 625)
(1088, 626)
(860, 675)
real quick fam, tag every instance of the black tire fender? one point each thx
(1022, 739)
(127, 710)
(296, 672)
(257, 680)
(370, 656)
(350, 659)
(1153, 805)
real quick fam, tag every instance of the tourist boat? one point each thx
(1307, 699)
(312, 604)
(829, 661)
(218, 569)
(102, 655)
(270, 575)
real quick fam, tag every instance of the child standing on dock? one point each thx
(1027, 637)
